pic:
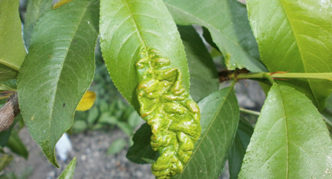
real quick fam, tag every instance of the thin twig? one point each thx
(248, 111)
(271, 76)
(226, 75)
(8, 112)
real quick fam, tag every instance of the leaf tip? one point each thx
(60, 3)
(87, 101)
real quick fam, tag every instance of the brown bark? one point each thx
(8, 113)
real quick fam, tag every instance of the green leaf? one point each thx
(239, 147)
(134, 119)
(203, 74)
(16, 145)
(208, 38)
(127, 26)
(93, 115)
(125, 127)
(328, 120)
(295, 36)
(227, 21)
(290, 139)
(6, 73)
(68, 173)
(35, 10)
(9, 85)
(79, 126)
(58, 70)
(6, 134)
(329, 103)
(12, 50)
(219, 120)
(5, 160)
(327, 113)
(104, 107)
(4, 137)
(141, 152)
(107, 118)
(116, 146)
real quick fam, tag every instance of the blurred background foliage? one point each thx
(110, 110)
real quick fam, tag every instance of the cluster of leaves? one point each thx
(290, 139)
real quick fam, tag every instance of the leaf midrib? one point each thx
(138, 32)
(299, 49)
(62, 66)
(286, 126)
(134, 21)
(209, 126)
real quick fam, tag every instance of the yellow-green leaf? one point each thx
(290, 139)
(295, 36)
(68, 173)
(12, 50)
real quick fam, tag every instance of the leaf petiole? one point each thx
(248, 111)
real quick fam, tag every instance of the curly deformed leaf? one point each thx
(12, 50)
(219, 120)
(168, 108)
(203, 77)
(290, 139)
(295, 36)
(58, 70)
(227, 21)
(146, 59)
(128, 25)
